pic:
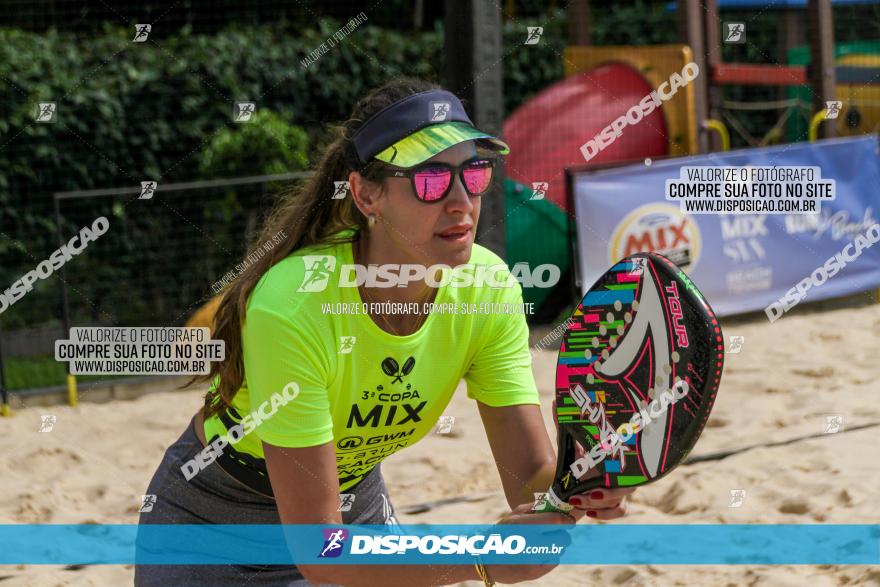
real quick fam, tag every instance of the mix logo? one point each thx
(539, 189)
(46, 112)
(832, 109)
(735, 32)
(243, 111)
(334, 542)
(661, 228)
(147, 190)
(533, 35)
(141, 32)
(439, 111)
(340, 190)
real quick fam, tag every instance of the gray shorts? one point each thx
(215, 497)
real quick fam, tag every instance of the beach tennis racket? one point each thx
(638, 370)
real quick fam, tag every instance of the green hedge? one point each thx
(162, 110)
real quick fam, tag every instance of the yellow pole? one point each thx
(72, 397)
(814, 124)
(5, 411)
(718, 126)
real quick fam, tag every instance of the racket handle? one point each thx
(552, 503)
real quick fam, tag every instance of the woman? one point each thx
(311, 400)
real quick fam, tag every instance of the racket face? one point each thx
(641, 338)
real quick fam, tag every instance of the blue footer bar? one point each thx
(713, 544)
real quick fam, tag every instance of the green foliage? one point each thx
(266, 144)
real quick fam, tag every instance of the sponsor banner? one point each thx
(440, 544)
(743, 262)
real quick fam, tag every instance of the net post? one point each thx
(5, 410)
(72, 395)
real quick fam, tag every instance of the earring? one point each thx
(371, 220)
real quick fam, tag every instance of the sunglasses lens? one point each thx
(431, 184)
(478, 176)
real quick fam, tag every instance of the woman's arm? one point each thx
(526, 461)
(306, 489)
(522, 450)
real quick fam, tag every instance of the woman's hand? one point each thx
(600, 503)
(522, 514)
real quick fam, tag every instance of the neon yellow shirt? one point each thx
(369, 391)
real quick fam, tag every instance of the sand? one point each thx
(95, 464)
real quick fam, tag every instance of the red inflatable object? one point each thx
(546, 133)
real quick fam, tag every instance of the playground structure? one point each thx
(603, 82)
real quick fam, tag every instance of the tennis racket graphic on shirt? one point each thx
(638, 370)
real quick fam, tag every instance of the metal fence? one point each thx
(154, 264)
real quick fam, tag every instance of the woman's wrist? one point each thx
(483, 574)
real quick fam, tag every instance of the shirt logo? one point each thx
(392, 369)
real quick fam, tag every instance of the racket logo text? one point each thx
(677, 315)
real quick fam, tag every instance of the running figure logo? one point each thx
(736, 343)
(832, 109)
(142, 31)
(346, 500)
(147, 503)
(439, 111)
(333, 542)
(736, 32)
(47, 422)
(243, 111)
(534, 35)
(346, 344)
(833, 424)
(539, 189)
(341, 190)
(318, 270)
(46, 112)
(147, 189)
(737, 497)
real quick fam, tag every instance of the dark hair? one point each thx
(308, 216)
